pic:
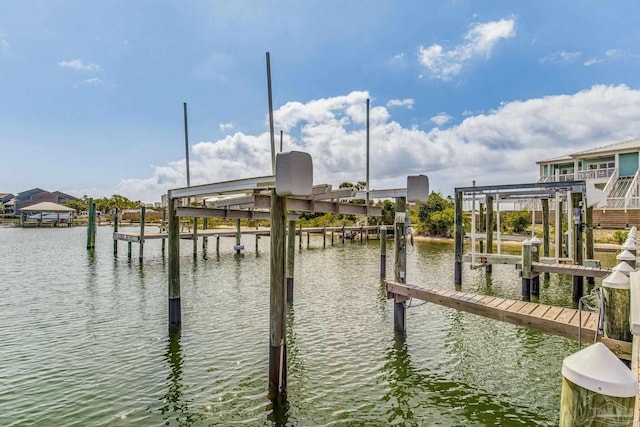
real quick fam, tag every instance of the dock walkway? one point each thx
(560, 321)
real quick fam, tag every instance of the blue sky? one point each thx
(91, 93)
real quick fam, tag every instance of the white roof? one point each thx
(47, 207)
(626, 145)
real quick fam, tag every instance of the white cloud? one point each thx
(561, 57)
(225, 126)
(441, 119)
(479, 41)
(78, 64)
(408, 102)
(496, 147)
(92, 81)
(593, 61)
(4, 45)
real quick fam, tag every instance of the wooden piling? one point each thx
(238, 247)
(300, 237)
(459, 236)
(308, 238)
(589, 239)
(545, 231)
(535, 258)
(257, 240)
(526, 270)
(343, 234)
(277, 323)
(324, 236)
(482, 224)
(218, 246)
(578, 281)
(291, 250)
(91, 228)
(489, 230)
(331, 237)
(383, 252)
(143, 217)
(162, 228)
(115, 230)
(129, 251)
(194, 237)
(616, 289)
(175, 314)
(361, 234)
(205, 242)
(400, 268)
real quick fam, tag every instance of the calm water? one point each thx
(85, 341)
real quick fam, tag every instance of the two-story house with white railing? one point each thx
(613, 168)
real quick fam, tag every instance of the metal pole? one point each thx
(273, 144)
(186, 142)
(366, 219)
(281, 141)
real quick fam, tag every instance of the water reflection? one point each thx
(174, 405)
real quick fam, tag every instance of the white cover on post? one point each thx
(294, 174)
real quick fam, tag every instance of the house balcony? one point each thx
(597, 176)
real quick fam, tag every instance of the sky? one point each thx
(92, 93)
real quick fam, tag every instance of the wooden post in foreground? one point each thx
(616, 290)
(291, 250)
(115, 230)
(163, 229)
(459, 243)
(277, 321)
(143, 217)
(383, 252)
(175, 314)
(400, 268)
(205, 226)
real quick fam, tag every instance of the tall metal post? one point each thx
(459, 243)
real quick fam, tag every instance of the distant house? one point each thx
(613, 168)
(5, 198)
(38, 195)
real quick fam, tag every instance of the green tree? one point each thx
(436, 216)
(79, 205)
(518, 221)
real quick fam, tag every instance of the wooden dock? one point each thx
(574, 270)
(134, 236)
(555, 320)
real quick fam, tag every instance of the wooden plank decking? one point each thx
(574, 270)
(555, 320)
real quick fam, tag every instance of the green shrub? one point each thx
(620, 236)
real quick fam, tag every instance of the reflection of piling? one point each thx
(175, 315)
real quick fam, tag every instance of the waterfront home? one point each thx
(613, 168)
(37, 195)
